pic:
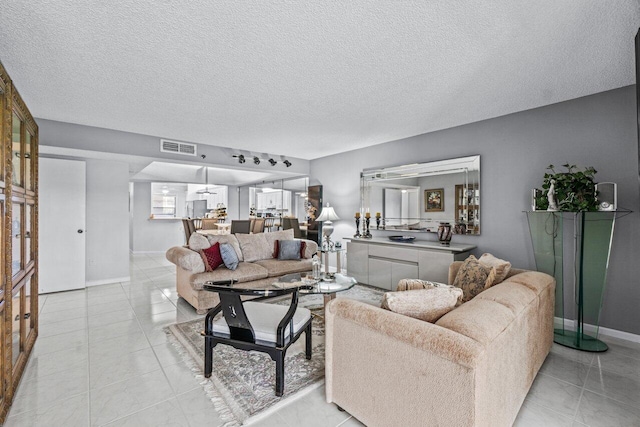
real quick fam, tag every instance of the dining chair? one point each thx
(255, 325)
(288, 223)
(242, 226)
(189, 228)
(257, 225)
(209, 224)
(269, 222)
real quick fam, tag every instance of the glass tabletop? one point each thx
(308, 285)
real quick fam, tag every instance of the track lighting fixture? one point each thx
(240, 158)
(273, 162)
(287, 163)
(256, 160)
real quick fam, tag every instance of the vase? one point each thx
(444, 233)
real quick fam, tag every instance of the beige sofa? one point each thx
(473, 367)
(257, 266)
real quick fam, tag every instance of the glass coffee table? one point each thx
(327, 287)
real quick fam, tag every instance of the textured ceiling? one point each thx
(308, 79)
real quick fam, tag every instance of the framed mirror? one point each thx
(419, 196)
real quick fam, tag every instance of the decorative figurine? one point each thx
(551, 196)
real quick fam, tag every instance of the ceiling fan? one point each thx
(206, 190)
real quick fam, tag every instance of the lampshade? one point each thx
(327, 214)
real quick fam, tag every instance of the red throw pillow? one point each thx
(303, 246)
(211, 257)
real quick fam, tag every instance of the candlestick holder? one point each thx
(357, 235)
(378, 223)
(367, 234)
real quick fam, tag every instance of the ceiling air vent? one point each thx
(175, 147)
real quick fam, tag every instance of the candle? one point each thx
(367, 215)
(377, 214)
(357, 214)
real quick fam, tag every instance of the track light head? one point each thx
(256, 160)
(287, 163)
(241, 158)
(272, 162)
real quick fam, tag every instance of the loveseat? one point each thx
(257, 266)
(473, 367)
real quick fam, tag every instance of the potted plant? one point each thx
(574, 190)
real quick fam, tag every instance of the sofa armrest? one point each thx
(423, 336)
(311, 248)
(186, 259)
(386, 369)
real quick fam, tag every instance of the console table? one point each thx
(382, 263)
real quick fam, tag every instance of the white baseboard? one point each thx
(108, 281)
(591, 329)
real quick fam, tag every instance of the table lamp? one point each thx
(326, 217)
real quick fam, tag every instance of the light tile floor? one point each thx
(102, 358)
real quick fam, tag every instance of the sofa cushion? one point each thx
(424, 304)
(246, 272)
(480, 319)
(229, 256)
(254, 247)
(211, 257)
(301, 244)
(289, 249)
(473, 278)
(227, 238)
(502, 267)
(278, 235)
(512, 295)
(278, 268)
(198, 242)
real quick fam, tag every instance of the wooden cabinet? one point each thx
(19, 238)
(382, 263)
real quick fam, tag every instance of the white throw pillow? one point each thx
(502, 267)
(424, 304)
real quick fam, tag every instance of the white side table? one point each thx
(338, 252)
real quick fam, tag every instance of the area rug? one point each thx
(242, 384)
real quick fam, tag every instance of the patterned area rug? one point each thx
(242, 384)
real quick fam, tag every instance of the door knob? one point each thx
(80, 231)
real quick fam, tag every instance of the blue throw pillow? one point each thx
(229, 256)
(289, 249)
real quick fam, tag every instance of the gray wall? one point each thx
(151, 235)
(107, 207)
(598, 130)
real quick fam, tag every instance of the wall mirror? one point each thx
(419, 196)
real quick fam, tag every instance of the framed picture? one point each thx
(434, 200)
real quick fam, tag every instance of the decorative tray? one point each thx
(403, 239)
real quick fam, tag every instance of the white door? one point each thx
(62, 193)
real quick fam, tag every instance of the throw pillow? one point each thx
(278, 235)
(226, 238)
(502, 267)
(229, 256)
(424, 304)
(289, 249)
(276, 248)
(412, 284)
(473, 278)
(211, 257)
(254, 247)
(198, 241)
